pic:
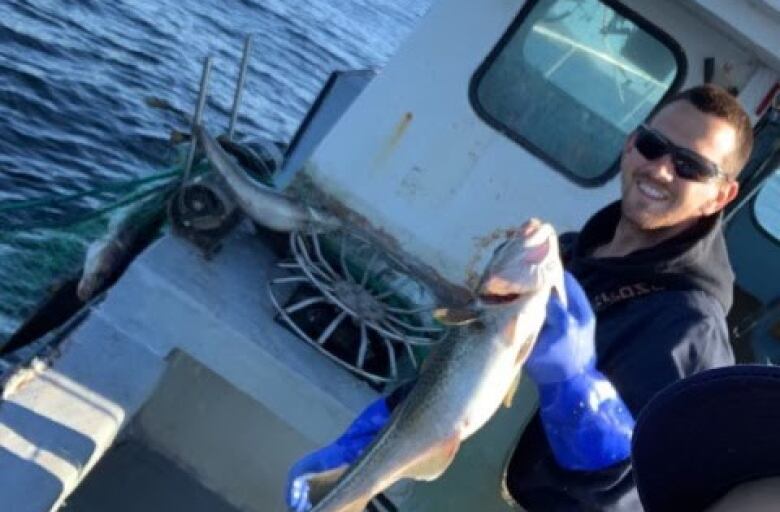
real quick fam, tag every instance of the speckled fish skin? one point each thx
(465, 379)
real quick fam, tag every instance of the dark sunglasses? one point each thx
(688, 164)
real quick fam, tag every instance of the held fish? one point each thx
(465, 379)
(266, 206)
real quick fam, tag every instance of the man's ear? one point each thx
(727, 192)
(628, 145)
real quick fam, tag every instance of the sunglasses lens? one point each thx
(650, 146)
(691, 169)
(687, 166)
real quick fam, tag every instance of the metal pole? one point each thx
(240, 86)
(198, 117)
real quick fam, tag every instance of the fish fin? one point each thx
(321, 484)
(522, 355)
(525, 351)
(431, 464)
(510, 395)
(456, 316)
(559, 288)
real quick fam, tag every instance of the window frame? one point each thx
(608, 173)
(754, 213)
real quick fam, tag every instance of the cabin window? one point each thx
(767, 206)
(572, 78)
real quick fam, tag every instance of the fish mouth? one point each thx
(499, 299)
(508, 284)
(538, 252)
(87, 288)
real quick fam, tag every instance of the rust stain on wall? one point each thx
(395, 137)
(401, 127)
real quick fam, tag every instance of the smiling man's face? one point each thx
(653, 196)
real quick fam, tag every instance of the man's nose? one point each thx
(662, 168)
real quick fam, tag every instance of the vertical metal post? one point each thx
(240, 86)
(198, 117)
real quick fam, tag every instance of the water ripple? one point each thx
(74, 75)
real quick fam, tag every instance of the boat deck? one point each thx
(202, 335)
(183, 363)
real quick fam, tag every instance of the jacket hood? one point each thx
(694, 260)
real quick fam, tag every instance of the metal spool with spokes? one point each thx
(356, 304)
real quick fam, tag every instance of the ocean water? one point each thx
(75, 74)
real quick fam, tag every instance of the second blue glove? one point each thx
(587, 424)
(342, 452)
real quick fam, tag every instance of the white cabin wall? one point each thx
(412, 157)
(757, 91)
(738, 61)
(753, 22)
(699, 38)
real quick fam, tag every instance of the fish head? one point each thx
(526, 263)
(97, 269)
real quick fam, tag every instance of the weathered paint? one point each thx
(445, 291)
(412, 160)
(395, 137)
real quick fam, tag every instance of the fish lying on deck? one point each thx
(266, 206)
(130, 230)
(465, 379)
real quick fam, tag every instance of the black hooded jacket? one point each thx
(660, 316)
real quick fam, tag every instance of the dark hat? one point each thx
(701, 436)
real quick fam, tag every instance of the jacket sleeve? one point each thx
(703, 344)
(677, 335)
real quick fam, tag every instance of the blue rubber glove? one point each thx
(587, 424)
(345, 450)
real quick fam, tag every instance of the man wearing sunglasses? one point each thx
(653, 268)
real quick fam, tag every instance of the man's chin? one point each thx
(646, 221)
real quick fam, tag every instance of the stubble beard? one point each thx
(639, 213)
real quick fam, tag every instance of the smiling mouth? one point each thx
(651, 191)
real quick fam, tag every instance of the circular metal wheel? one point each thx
(355, 304)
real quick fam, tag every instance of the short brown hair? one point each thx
(713, 100)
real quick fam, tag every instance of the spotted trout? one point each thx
(465, 379)
(265, 205)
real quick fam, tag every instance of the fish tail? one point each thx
(350, 494)
(357, 505)
(364, 478)
(386, 462)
